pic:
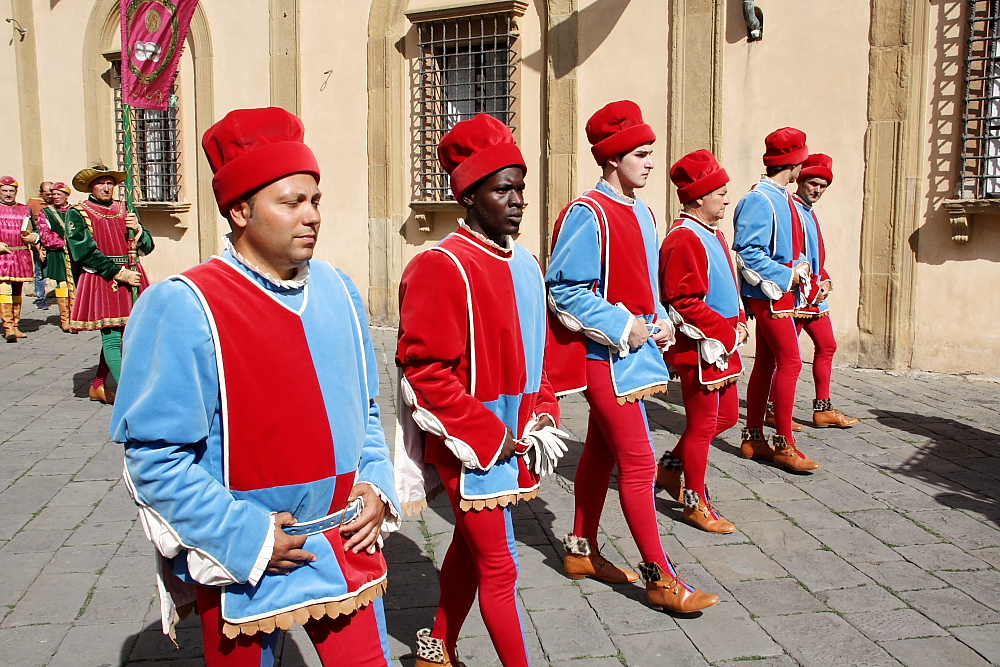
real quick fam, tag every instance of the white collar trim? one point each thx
(298, 281)
(485, 239)
(618, 193)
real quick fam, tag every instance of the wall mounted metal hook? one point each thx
(17, 28)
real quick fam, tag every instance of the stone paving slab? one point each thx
(888, 555)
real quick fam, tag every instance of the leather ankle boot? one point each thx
(432, 653)
(63, 303)
(665, 590)
(699, 513)
(755, 445)
(668, 476)
(769, 419)
(788, 456)
(824, 416)
(581, 562)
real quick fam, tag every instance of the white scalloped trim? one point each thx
(770, 288)
(713, 351)
(596, 335)
(426, 420)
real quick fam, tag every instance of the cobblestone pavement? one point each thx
(889, 555)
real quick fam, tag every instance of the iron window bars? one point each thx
(465, 67)
(980, 174)
(156, 140)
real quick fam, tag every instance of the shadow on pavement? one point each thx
(82, 380)
(960, 460)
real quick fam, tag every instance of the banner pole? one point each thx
(129, 198)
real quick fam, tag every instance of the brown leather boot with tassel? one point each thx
(699, 513)
(581, 562)
(755, 445)
(788, 456)
(668, 476)
(432, 653)
(9, 330)
(665, 590)
(824, 415)
(769, 419)
(63, 303)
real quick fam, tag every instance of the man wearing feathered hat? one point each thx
(471, 341)
(609, 329)
(106, 240)
(266, 506)
(51, 223)
(769, 241)
(814, 317)
(16, 264)
(698, 286)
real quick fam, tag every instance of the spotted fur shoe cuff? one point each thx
(430, 648)
(691, 499)
(770, 406)
(822, 405)
(579, 546)
(671, 462)
(650, 572)
(779, 442)
(753, 434)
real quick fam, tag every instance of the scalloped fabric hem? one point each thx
(643, 393)
(811, 316)
(303, 615)
(724, 383)
(418, 506)
(499, 501)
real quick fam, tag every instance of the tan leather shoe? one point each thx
(432, 653)
(668, 476)
(701, 515)
(825, 416)
(581, 562)
(788, 456)
(755, 445)
(769, 419)
(102, 394)
(665, 590)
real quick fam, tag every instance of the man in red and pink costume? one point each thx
(16, 264)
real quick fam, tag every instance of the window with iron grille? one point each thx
(466, 66)
(156, 142)
(980, 175)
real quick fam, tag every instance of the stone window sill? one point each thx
(963, 211)
(165, 207)
(425, 210)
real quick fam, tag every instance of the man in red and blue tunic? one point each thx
(698, 286)
(769, 241)
(16, 263)
(814, 316)
(608, 329)
(482, 415)
(266, 506)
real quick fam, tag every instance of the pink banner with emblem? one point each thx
(153, 34)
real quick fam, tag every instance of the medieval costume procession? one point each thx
(455, 333)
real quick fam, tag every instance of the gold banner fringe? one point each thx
(781, 316)
(500, 501)
(285, 620)
(643, 393)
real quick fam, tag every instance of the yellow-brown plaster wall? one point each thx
(955, 306)
(10, 159)
(810, 72)
(624, 48)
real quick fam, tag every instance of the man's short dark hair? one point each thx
(774, 171)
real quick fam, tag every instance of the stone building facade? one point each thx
(888, 88)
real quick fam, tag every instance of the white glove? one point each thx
(547, 446)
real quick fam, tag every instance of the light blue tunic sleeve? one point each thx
(376, 466)
(753, 228)
(574, 269)
(168, 415)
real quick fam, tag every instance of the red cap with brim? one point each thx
(8, 180)
(251, 148)
(697, 174)
(817, 165)
(617, 128)
(476, 148)
(786, 146)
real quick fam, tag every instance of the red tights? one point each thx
(707, 413)
(617, 435)
(482, 558)
(778, 358)
(356, 640)
(820, 329)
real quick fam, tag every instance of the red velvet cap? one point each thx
(59, 185)
(697, 174)
(817, 165)
(617, 128)
(786, 146)
(250, 148)
(476, 148)
(8, 180)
